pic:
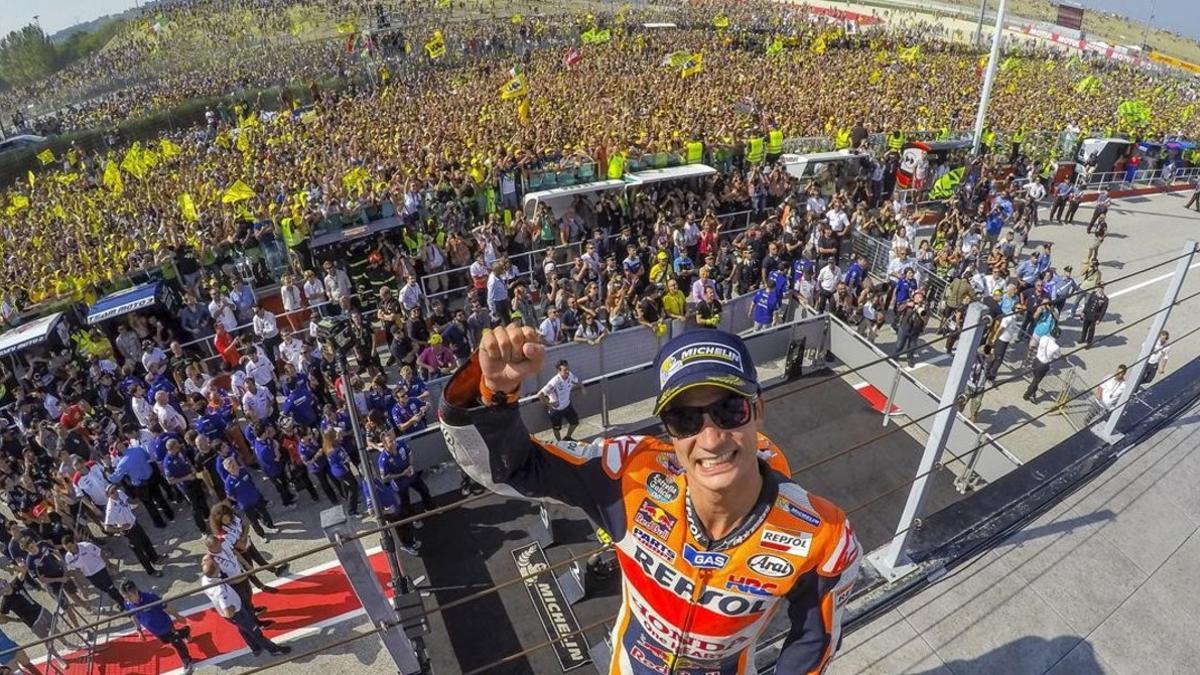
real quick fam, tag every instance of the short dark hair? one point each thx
(562, 363)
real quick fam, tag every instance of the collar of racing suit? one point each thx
(748, 525)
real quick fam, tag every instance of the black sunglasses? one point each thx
(730, 412)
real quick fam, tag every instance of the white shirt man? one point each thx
(91, 484)
(551, 328)
(264, 324)
(221, 310)
(815, 204)
(143, 410)
(314, 290)
(261, 369)
(337, 284)
(839, 222)
(289, 294)
(1048, 349)
(410, 294)
(1035, 190)
(828, 277)
(153, 358)
(1111, 390)
(168, 417)
(294, 352)
(224, 599)
(257, 401)
(88, 560)
(557, 391)
(117, 512)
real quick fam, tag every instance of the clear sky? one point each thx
(1182, 16)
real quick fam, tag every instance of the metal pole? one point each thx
(1134, 375)
(387, 540)
(887, 407)
(890, 560)
(979, 24)
(989, 78)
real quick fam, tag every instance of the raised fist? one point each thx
(508, 355)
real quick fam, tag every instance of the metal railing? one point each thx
(878, 254)
(1141, 178)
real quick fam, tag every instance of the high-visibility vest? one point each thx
(413, 244)
(294, 233)
(754, 150)
(895, 141)
(616, 166)
(775, 142)
(842, 139)
(988, 137)
(944, 134)
(695, 152)
(1019, 137)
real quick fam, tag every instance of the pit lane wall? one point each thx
(916, 401)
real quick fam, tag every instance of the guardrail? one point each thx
(1141, 177)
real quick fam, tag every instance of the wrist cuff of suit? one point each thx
(489, 397)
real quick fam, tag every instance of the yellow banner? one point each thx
(1175, 63)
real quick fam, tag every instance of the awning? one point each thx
(555, 196)
(124, 302)
(29, 334)
(669, 173)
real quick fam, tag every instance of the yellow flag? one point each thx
(73, 156)
(19, 202)
(149, 158)
(443, 4)
(29, 177)
(693, 65)
(187, 208)
(720, 21)
(436, 46)
(132, 162)
(353, 179)
(46, 156)
(875, 77)
(237, 192)
(66, 178)
(168, 149)
(112, 178)
(514, 88)
(243, 141)
(909, 54)
(59, 212)
(523, 111)
(818, 45)
(346, 27)
(518, 18)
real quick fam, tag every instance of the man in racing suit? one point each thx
(709, 534)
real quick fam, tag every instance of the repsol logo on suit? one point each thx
(727, 604)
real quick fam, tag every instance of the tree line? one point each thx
(28, 54)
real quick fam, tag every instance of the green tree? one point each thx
(27, 55)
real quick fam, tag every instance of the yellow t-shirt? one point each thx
(674, 303)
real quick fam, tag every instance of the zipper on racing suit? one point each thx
(700, 584)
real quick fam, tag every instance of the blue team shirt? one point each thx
(265, 452)
(904, 288)
(401, 413)
(415, 387)
(396, 462)
(339, 462)
(389, 502)
(154, 619)
(158, 447)
(177, 465)
(779, 278)
(301, 405)
(764, 306)
(311, 452)
(242, 488)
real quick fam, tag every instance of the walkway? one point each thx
(1105, 582)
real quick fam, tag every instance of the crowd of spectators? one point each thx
(440, 137)
(197, 411)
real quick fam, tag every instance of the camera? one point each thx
(336, 332)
